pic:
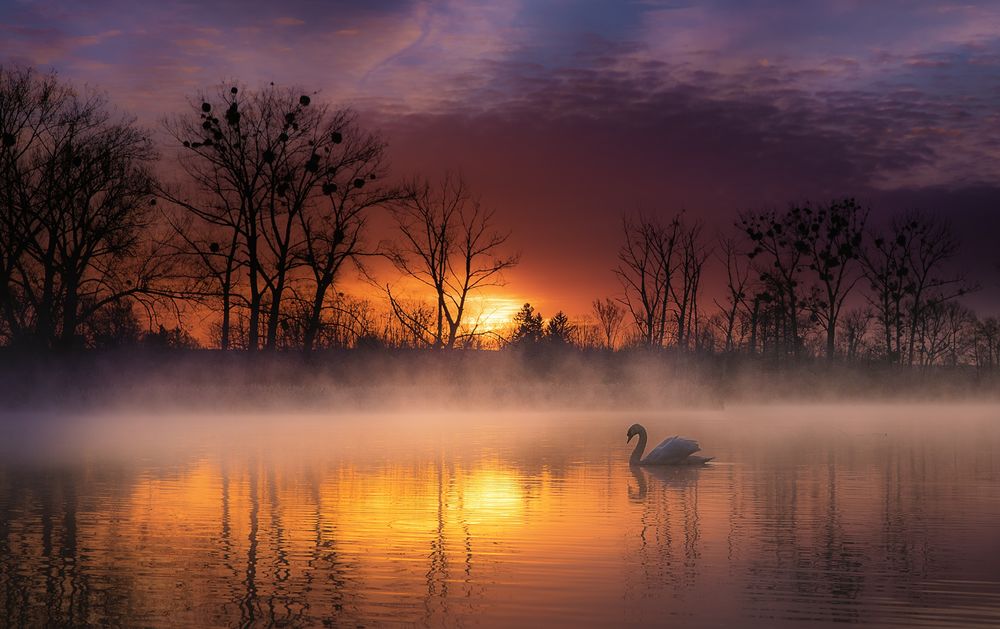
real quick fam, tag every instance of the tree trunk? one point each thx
(274, 315)
(227, 289)
(793, 323)
(253, 334)
(224, 342)
(753, 326)
(315, 313)
(70, 305)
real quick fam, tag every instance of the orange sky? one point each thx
(564, 117)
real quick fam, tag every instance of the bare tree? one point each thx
(206, 246)
(286, 184)
(737, 277)
(961, 324)
(448, 245)
(229, 163)
(890, 282)
(76, 190)
(906, 271)
(332, 231)
(852, 340)
(780, 253)
(645, 269)
(29, 105)
(588, 333)
(987, 344)
(833, 235)
(930, 244)
(610, 317)
(692, 254)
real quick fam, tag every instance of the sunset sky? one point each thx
(564, 115)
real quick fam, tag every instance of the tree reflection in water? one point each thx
(880, 529)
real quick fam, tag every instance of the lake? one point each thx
(810, 515)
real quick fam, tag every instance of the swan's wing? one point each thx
(672, 450)
(694, 459)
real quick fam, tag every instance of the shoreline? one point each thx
(385, 379)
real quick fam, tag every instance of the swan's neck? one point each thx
(639, 448)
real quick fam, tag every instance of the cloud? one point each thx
(567, 115)
(565, 152)
(46, 45)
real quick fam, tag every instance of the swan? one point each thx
(673, 451)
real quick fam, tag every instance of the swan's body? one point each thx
(672, 451)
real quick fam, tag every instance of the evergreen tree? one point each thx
(559, 330)
(528, 328)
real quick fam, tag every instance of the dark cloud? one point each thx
(565, 116)
(567, 152)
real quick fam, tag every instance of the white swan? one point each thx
(673, 451)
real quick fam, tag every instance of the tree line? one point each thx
(813, 280)
(245, 218)
(245, 221)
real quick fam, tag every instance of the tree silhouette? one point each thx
(275, 194)
(335, 235)
(906, 269)
(645, 270)
(692, 254)
(890, 279)
(779, 252)
(448, 245)
(737, 286)
(929, 244)
(559, 331)
(987, 345)
(833, 235)
(610, 317)
(528, 327)
(855, 329)
(76, 194)
(287, 184)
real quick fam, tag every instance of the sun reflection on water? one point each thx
(477, 531)
(491, 494)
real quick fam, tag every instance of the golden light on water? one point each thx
(453, 526)
(492, 494)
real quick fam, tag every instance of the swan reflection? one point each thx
(798, 528)
(667, 477)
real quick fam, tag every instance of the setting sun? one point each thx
(492, 313)
(505, 314)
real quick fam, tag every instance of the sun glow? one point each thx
(491, 494)
(492, 313)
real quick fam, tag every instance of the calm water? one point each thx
(810, 516)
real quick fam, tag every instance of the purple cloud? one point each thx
(566, 116)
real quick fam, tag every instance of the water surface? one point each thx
(810, 516)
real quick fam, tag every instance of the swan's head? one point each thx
(633, 430)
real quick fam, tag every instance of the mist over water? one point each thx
(281, 350)
(391, 501)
